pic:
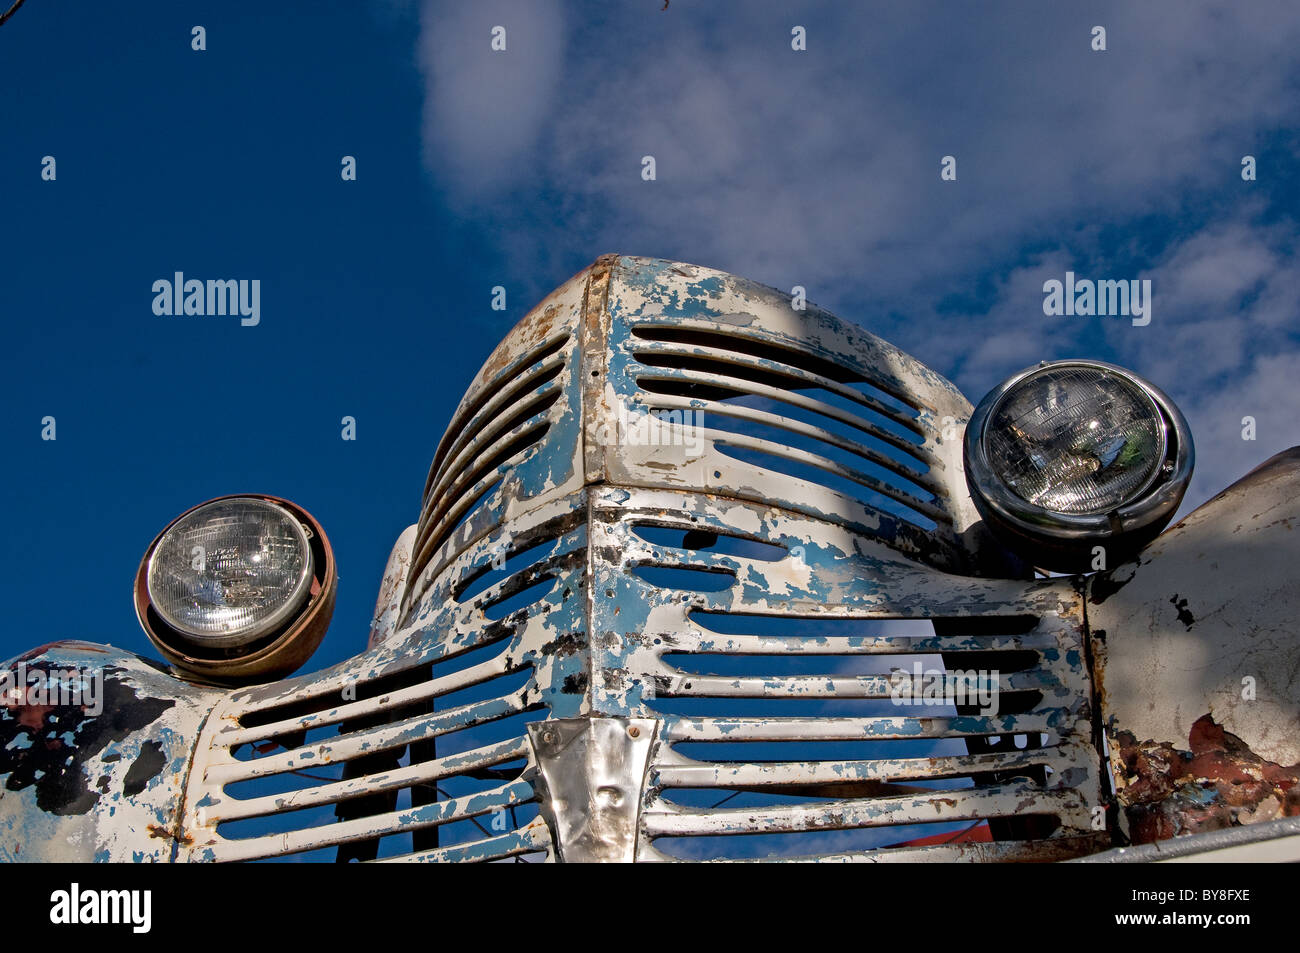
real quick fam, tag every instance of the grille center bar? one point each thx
(591, 778)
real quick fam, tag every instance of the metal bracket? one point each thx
(591, 774)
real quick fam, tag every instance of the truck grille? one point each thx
(755, 584)
(773, 677)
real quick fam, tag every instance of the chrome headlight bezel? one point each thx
(1145, 513)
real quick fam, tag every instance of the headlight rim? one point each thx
(275, 655)
(1154, 504)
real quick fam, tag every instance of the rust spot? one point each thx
(1216, 782)
(157, 830)
(32, 717)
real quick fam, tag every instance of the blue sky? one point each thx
(477, 169)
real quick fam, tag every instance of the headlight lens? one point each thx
(1076, 440)
(230, 571)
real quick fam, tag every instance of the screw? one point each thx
(548, 737)
(633, 731)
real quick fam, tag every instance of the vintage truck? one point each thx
(705, 573)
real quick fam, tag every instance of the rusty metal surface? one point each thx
(669, 501)
(1197, 670)
(1215, 783)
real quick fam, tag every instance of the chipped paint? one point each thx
(1197, 672)
(83, 786)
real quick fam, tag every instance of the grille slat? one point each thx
(898, 493)
(817, 686)
(683, 772)
(918, 452)
(533, 838)
(535, 380)
(862, 729)
(389, 701)
(1056, 849)
(472, 414)
(865, 645)
(393, 822)
(662, 821)
(470, 486)
(773, 360)
(424, 773)
(525, 415)
(356, 744)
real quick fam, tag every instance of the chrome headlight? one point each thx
(1073, 454)
(236, 587)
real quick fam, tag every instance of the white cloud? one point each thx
(484, 108)
(1227, 296)
(1265, 388)
(822, 169)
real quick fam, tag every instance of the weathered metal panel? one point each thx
(1197, 669)
(81, 784)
